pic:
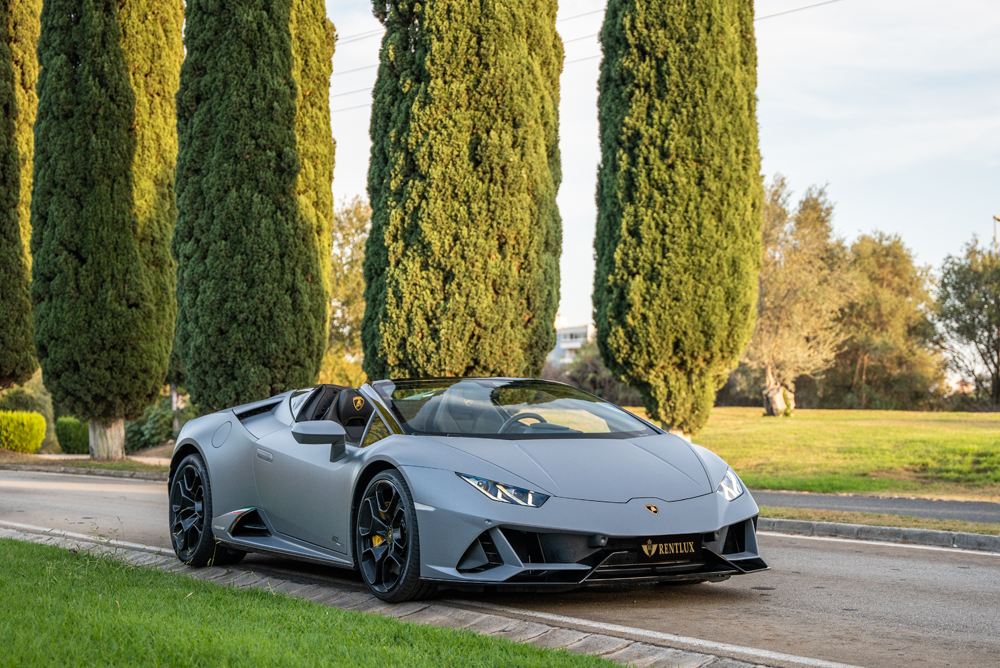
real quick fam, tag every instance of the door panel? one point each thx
(304, 494)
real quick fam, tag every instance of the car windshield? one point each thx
(505, 408)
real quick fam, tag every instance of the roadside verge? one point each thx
(623, 645)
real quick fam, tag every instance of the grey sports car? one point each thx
(465, 483)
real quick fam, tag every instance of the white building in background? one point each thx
(569, 340)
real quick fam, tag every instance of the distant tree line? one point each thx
(863, 325)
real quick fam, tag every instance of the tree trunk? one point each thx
(175, 404)
(107, 440)
(774, 395)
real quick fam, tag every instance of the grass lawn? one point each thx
(8, 457)
(945, 455)
(58, 608)
(878, 520)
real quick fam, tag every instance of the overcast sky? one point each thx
(893, 103)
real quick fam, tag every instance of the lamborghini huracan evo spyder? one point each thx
(467, 483)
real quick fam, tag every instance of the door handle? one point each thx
(264, 455)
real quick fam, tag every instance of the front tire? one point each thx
(386, 541)
(190, 514)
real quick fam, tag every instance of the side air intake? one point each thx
(249, 525)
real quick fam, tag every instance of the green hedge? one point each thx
(73, 435)
(21, 431)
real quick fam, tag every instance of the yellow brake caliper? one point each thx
(377, 540)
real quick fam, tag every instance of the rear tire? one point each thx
(190, 513)
(386, 541)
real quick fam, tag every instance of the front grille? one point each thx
(526, 545)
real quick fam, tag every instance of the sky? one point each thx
(894, 104)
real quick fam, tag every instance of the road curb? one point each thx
(77, 470)
(965, 541)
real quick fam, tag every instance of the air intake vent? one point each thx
(736, 539)
(481, 556)
(249, 525)
(259, 410)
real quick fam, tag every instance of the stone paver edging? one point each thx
(620, 650)
(965, 541)
(79, 470)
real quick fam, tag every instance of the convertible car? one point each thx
(463, 483)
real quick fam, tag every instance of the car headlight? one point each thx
(505, 493)
(730, 488)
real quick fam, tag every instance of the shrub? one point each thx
(73, 435)
(21, 431)
(152, 429)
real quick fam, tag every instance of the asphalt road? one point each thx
(967, 511)
(866, 604)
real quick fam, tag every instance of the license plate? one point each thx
(665, 549)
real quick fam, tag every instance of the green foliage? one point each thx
(251, 288)
(21, 431)
(342, 363)
(33, 397)
(969, 311)
(102, 208)
(18, 103)
(804, 281)
(152, 429)
(351, 224)
(313, 43)
(461, 267)
(73, 435)
(679, 200)
(891, 358)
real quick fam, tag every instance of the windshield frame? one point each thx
(380, 387)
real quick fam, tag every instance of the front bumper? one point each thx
(467, 539)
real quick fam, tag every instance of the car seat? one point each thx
(353, 412)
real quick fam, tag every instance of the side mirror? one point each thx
(321, 432)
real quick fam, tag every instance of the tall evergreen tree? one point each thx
(253, 177)
(679, 200)
(461, 265)
(102, 208)
(18, 103)
(314, 39)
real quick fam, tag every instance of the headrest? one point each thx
(353, 407)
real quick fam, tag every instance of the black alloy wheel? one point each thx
(190, 513)
(386, 542)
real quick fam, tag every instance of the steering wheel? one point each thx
(515, 419)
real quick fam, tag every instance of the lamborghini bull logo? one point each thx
(358, 403)
(653, 509)
(683, 547)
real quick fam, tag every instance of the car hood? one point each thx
(612, 470)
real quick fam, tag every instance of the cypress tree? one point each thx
(102, 208)
(250, 179)
(461, 266)
(679, 200)
(18, 104)
(314, 39)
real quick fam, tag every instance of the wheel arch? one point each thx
(187, 447)
(373, 468)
